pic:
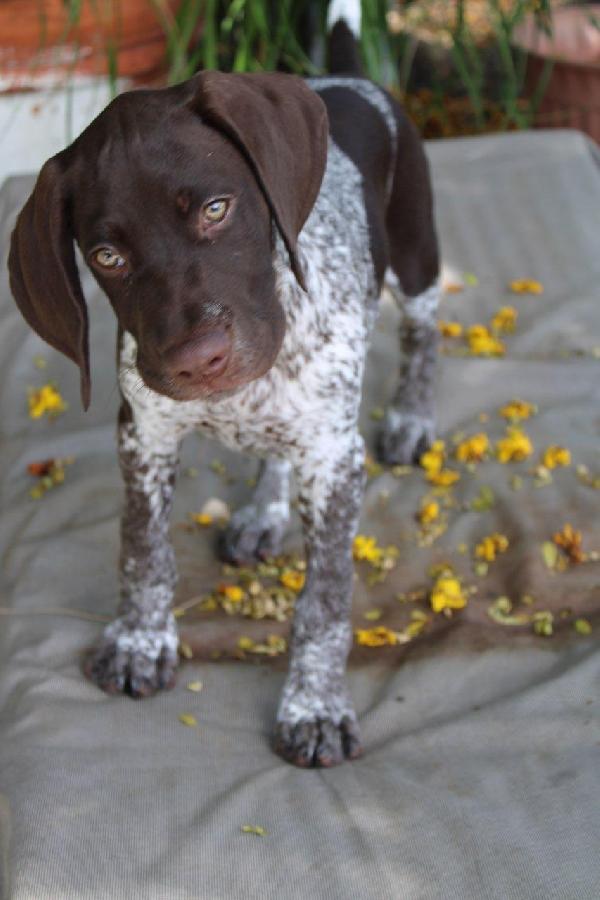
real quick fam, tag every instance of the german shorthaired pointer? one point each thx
(242, 227)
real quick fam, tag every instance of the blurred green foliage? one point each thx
(289, 35)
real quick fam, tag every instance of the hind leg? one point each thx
(409, 427)
(413, 277)
(257, 530)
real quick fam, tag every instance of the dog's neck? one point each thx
(306, 314)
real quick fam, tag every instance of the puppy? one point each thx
(242, 227)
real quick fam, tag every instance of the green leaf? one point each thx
(543, 623)
(188, 719)
(372, 615)
(501, 612)
(484, 500)
(185, 650)
(582, 626)
(550, 554)
(254, 829)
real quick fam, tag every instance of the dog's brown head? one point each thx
(170, 195)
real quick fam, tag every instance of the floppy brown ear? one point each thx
(43, 273)
(281, 127)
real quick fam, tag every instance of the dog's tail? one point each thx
(343, 28)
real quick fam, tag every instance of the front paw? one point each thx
(404, 437)
(316, 723)
(318, 742)
(134, 661)
(254, 533)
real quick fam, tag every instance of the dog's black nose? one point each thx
(201, 358)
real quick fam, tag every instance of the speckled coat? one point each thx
(371, 222)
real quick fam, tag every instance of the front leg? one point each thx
(316, 723)
(137, 653)
(409, 426)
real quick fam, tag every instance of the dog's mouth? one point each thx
(239, 370)
(206, 389)
(226, 385)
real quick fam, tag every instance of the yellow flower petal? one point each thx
(232, 591)
(505, 319)
(292, 579)
(450, 329)
(201, 518)
(433, 459)
(570, 541)
(429, 512)
(447, 594)
(483, 343)
(375, 637)
(473, 449)
(444, 478)
(556, 456)
(526, 286)
(517, 410)
(365, 548)
(46, 400)
(491, 546)
(514, 447)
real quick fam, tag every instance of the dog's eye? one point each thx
(216, 210)
(108, 259)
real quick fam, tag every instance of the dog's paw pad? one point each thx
(404, 437)
(253, 535)
(137, 664)
(319, 743)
